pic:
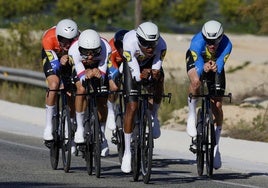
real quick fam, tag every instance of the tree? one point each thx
(189, 10)
(153, 9)
(230, 9)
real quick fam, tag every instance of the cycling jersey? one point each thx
(115, 61)
(100, 61)
(137, 60)
(200, 53)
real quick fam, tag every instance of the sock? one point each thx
(110, 107)
(127, 143)
(217, 134)
(80, 119)
(49, 115)
(192, 106)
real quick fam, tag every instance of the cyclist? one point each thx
(55, 42)
(90, 55)
(144, 50)
(208, 52)
(116, 59)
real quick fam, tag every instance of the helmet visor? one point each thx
(64, 41)
(89, 52)
(147, 44)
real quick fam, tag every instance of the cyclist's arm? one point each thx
(224, 51)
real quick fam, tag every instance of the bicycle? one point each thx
(205, 140)
(91, 149)
(62, 135)
(142, 139)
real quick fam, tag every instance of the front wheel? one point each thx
(55, 145)
(119, 133)
(146, 146)
(199, 143)
(66, 138)
(210, 144)
(97, 143)
(136, 154)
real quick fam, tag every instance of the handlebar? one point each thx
(229, 95)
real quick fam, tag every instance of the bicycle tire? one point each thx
(210, 144)
(97, 143)
(119, 133)
(136, 154)
(88, 144)
(199, 143)
(146, 146)
(66, 138)
(55, 146)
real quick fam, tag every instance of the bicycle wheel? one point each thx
(120, 140)
(97, 143)
(55, 145)
(88, 151)
(199, 143)
(136, 154)
(66, 138)
(210, 144)
(146, 146)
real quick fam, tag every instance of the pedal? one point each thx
(114, 140)
(48, 143)
(193, 148)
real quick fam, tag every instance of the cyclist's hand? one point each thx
(145, 74)
(96, 72)
(89, 73)
(156, 74)
(213, 66)
(64, 60)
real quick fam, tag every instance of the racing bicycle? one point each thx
(205, 140)
(63, 126)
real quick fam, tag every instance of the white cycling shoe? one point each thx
(156, 128)
(217, 158)
(191, 129)
(104, 149)
(48, 134)
(126, 163)
(79, 136)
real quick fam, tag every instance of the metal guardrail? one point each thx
(23, 76)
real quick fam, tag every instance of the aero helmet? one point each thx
(118, 38)
(212, 32)
(66, 28)
(147, 34)
(89, 42)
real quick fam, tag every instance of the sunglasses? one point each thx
(213, 41)
(89, 52)
(147, 44)
(64, 41)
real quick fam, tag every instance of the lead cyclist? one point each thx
(208, 53)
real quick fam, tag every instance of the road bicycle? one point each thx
(205, 140)
(63, 127)
(91, 149)
(142, 140)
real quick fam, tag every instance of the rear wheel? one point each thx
(119, 133)
(97, 143)
(199, 143)
(146, 147)
(66, 138)
(55, 145)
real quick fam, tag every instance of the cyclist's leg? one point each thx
(80, 107)
(53, 83)
(159, 90)
(216, 106)
(194, 89)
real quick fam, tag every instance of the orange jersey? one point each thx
(115, 57)
(50, 41)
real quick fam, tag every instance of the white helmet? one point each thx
(212, 31)
(89, 41)
(67, 28)
(147, 32)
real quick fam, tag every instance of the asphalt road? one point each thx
(24, 162)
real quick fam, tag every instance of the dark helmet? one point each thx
(118, 38)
